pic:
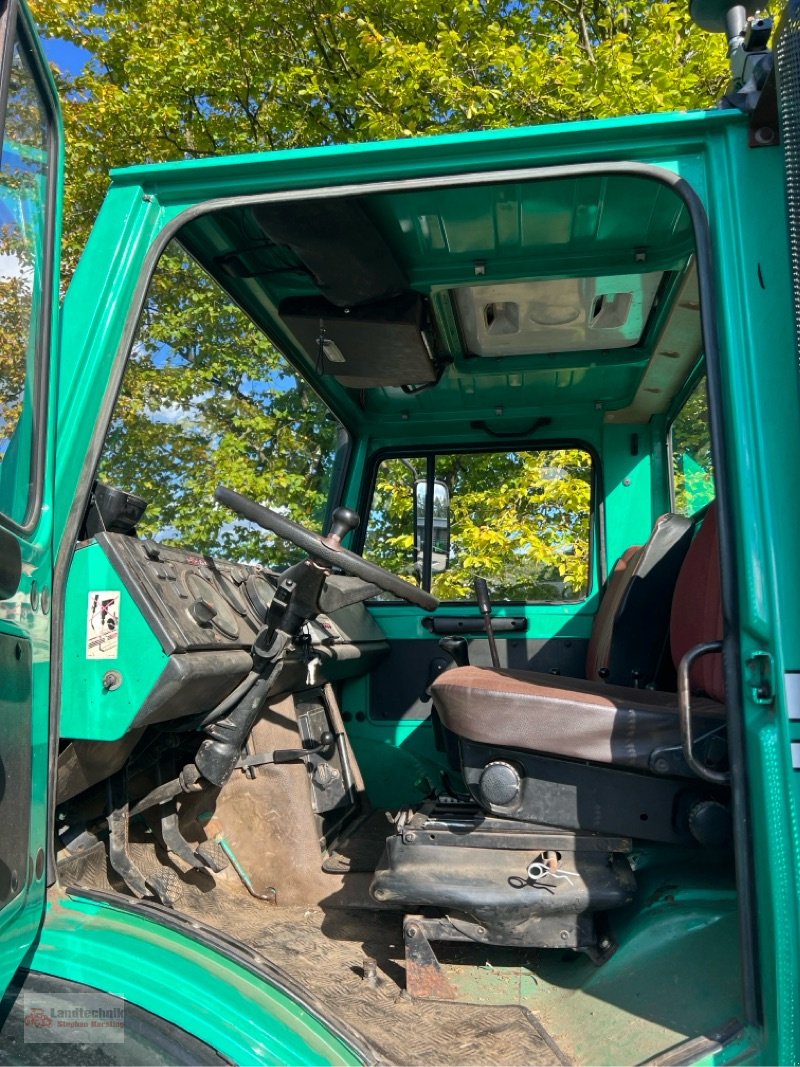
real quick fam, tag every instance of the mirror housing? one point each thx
(440, 554)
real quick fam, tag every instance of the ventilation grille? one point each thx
(787, 52)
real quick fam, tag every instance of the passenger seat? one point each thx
(629, 636)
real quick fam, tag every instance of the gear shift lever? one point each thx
(343, 521)
(485, 605)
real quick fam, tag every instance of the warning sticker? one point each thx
(102, 625)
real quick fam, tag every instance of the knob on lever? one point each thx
(485, 605)
(344, 520)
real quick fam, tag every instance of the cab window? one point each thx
(690, 448)
(25, 208)
(208, 400)
(520, 519)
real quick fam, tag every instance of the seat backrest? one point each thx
(629, 636)
(697, 608)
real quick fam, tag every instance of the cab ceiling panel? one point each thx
(371, 296)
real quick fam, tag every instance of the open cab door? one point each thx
(30, 183)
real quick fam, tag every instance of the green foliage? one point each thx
(208, 401)
(520, 519)
(204, 77)
(173, 81)
(692, 466)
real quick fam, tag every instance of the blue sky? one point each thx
(67, 57)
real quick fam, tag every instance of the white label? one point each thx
(102, 625)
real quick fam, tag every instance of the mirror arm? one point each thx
(427, 554)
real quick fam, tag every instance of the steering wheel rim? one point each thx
(313, 544)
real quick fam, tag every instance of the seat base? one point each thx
(501, 882)
(588, 797)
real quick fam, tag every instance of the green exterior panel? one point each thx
(24, 614)
(246, 1019)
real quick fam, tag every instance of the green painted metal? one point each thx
(103, 301)
(91, 709)
(762, 438)
(245, 1018)
(20, 918)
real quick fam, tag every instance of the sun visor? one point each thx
(383, 344)
(339, 244)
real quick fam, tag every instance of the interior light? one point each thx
(331, 350)
(555, 314)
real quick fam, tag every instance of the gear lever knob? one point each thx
(344, 520)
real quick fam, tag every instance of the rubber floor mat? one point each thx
(325, 951)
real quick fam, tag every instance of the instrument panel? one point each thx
(193, 602)
(154, 633)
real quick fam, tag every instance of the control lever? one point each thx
(343, 521)
(485, 605)
(324, 747)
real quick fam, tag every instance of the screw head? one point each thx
(564, 935)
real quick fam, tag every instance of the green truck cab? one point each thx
(399, 623)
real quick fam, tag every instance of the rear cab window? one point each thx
(519, 518)
(692, 467)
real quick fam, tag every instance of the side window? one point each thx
(207, 400)
(24, 212)
(690, 448)
(519, 519)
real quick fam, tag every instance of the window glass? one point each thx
(690, 443)
(24, 169)
(519, 519)
(207, 400)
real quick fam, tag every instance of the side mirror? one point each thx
(440, 541)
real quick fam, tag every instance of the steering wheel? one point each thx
(328, 549)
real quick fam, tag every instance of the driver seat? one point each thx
(566, 774)
(569, 752)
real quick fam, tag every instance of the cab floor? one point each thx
(643, 1004)
(325, 951)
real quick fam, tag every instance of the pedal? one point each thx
(213, 855)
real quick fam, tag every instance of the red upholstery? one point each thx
(697, 608)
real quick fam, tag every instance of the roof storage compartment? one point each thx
(378, 345)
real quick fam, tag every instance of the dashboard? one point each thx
(155, 632)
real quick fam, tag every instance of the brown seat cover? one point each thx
(588, 719)
(599, 651)
(563, 716)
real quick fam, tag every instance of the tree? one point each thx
(204, 78)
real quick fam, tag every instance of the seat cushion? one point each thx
(569, 717)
